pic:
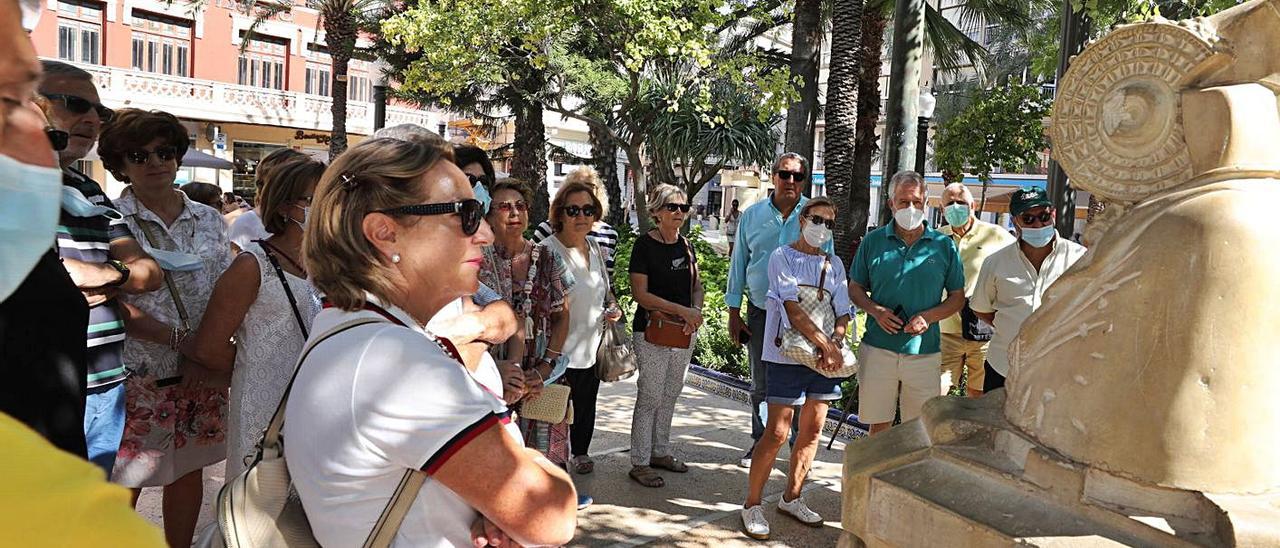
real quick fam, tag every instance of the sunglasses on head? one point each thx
(574, 211)
(140, 157)
(676, 207)
(1031, 218)
(784, 175)
(470, 211)
(818, 219)
(482, 179)
(58, 139)
(506, 207)
(80, 105)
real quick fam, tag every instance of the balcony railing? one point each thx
(219, 102)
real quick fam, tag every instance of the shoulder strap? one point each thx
(148, 232)
(693, 265)
(269, 250)
(388, 524)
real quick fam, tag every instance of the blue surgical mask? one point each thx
(176, 260)
(1039, 237)
(75, 204)
(28, 219)
(956, 214)
(483, 195)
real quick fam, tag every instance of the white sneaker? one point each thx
(799, 510)
(745, 462)
(754, 524)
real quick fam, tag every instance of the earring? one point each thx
(395, 258)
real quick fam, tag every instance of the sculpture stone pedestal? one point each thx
(1143, 401)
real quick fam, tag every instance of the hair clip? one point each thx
(349, 181)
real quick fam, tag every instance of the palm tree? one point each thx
(841, 123)
(806, 53)
(341, 21)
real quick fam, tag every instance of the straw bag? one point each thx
(259, 508)
(551, 406)
(816, 303)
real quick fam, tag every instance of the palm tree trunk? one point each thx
(806, 51)
(639, 184)
(867, 142)
(530, 156)
(841, 134)
(604, 157)
(340, 33)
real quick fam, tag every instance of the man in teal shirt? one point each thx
(906, 267)
(762, 228)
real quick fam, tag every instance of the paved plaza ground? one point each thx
(699, 508)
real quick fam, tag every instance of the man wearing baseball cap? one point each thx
(1012, 281)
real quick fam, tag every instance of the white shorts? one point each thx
(879, 373)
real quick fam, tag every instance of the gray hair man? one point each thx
(99, 252)
(964, 338)
(907, 277)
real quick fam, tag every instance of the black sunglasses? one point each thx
(470, 211)
(58, 139)
(1029, 218)
(80, 105)
(785, 175)
(482, 179)
(818, 219)
(574, 211)
(674, 207)
(140, 157)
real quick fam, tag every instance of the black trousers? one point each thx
(584, 386)
(992, 380)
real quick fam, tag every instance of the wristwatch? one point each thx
(123, 269)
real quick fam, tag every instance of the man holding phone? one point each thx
(899, 276)
(762, 228)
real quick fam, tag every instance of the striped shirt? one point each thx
(89, 239)
(601, 233)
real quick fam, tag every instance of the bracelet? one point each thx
(549, 351)
(541, 379)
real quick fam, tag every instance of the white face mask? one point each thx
(816, 235)
(909, 218)
(28, 218)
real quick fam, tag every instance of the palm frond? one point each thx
(951, 47)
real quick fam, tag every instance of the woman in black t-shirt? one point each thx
(664, 280)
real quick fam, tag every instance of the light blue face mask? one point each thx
(1039, 237)
(956, 214)
(28, 218)
(483, 195)
(176, 260)
(75, 204)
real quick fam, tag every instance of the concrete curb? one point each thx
(738, 390)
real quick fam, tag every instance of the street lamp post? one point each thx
(927, 104)
(380, 68)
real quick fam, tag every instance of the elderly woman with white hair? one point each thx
(666, 286)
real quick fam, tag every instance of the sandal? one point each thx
(645, 476)
(669, 463)
(583, 465)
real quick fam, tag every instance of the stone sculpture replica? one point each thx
(1143, 402)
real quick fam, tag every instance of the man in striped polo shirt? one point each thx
(99, 253)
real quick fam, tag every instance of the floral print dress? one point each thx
(171, 430)
(535, 300)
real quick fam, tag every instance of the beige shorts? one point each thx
(880, 372)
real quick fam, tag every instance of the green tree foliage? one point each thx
(1001, 129)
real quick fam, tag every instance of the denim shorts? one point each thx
(792, 384)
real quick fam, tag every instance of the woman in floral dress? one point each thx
(175, 411)
(539, 302)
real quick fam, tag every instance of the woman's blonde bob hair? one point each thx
(562, 196)
(375, 175)
(663, 193)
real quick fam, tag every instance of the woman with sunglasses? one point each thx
(266, 305)
(535, 352)
(395, 235)
(790, 384)
(573, 212)
(174, 411)
(665, 282)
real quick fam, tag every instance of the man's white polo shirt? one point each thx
(1009, 286)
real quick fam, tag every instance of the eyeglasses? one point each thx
(140, 157)
(574, 211)
(1030, 218)
(506, 207)
(58, 139)
(818, 219)
(784, 175)
(470, 211)
(482, 179)
(676, 207)
(80, 105)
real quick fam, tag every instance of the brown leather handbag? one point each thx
(665, 329)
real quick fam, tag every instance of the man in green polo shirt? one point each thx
(899, 276)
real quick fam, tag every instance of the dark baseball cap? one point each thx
(1028, 197)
